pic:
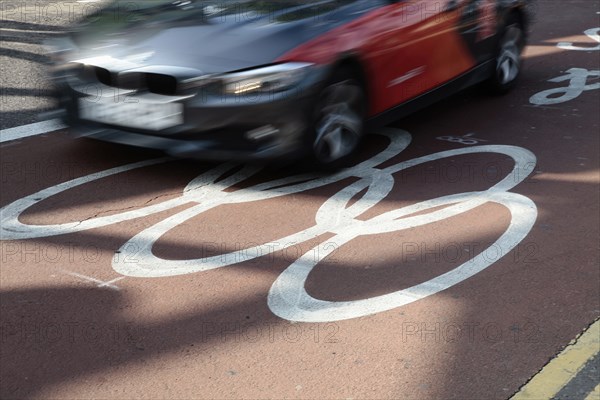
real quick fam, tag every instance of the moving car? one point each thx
(278, 78)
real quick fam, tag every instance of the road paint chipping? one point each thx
(12, 229)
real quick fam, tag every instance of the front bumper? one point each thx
(215, 127)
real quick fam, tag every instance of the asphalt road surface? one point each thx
(454, 262)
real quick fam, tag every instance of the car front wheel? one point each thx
(508, 61)
(339, 121)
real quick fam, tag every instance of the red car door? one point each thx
(422, 51)
(407, 48)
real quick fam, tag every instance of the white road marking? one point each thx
(288, 298)
(577, 78)
(468, 140)
(110, 283)
(593, 34)
(99, 283)
(12, 228)
(38, 128)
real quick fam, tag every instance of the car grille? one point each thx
(152, 82)
(160, 83)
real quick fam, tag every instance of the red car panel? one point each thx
(407, 49)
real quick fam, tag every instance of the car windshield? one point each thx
(218, 6)
(212, 11)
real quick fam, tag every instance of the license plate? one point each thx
(143, 115)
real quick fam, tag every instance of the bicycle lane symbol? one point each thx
(287, 297)
(577, 77)
(593, 34)
(578, 83)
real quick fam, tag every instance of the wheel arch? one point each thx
(518, 9)
(353, 62)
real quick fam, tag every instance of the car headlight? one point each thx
(268, 79)
(57, 49)
(59, 52)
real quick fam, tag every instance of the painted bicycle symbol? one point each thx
(593, 34)
(578, 83)
(287, 297)
(577, 78)
(468, 140)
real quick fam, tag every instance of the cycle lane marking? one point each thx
(287, 297)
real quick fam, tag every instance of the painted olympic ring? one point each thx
(288, 298)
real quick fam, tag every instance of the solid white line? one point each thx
(38, 128)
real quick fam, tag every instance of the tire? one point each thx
(339, 120)
(507, 60)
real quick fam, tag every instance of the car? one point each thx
(278, 79)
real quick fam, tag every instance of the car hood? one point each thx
(210, 36)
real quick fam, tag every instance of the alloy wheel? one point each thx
(339, 125)
(508, 64)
